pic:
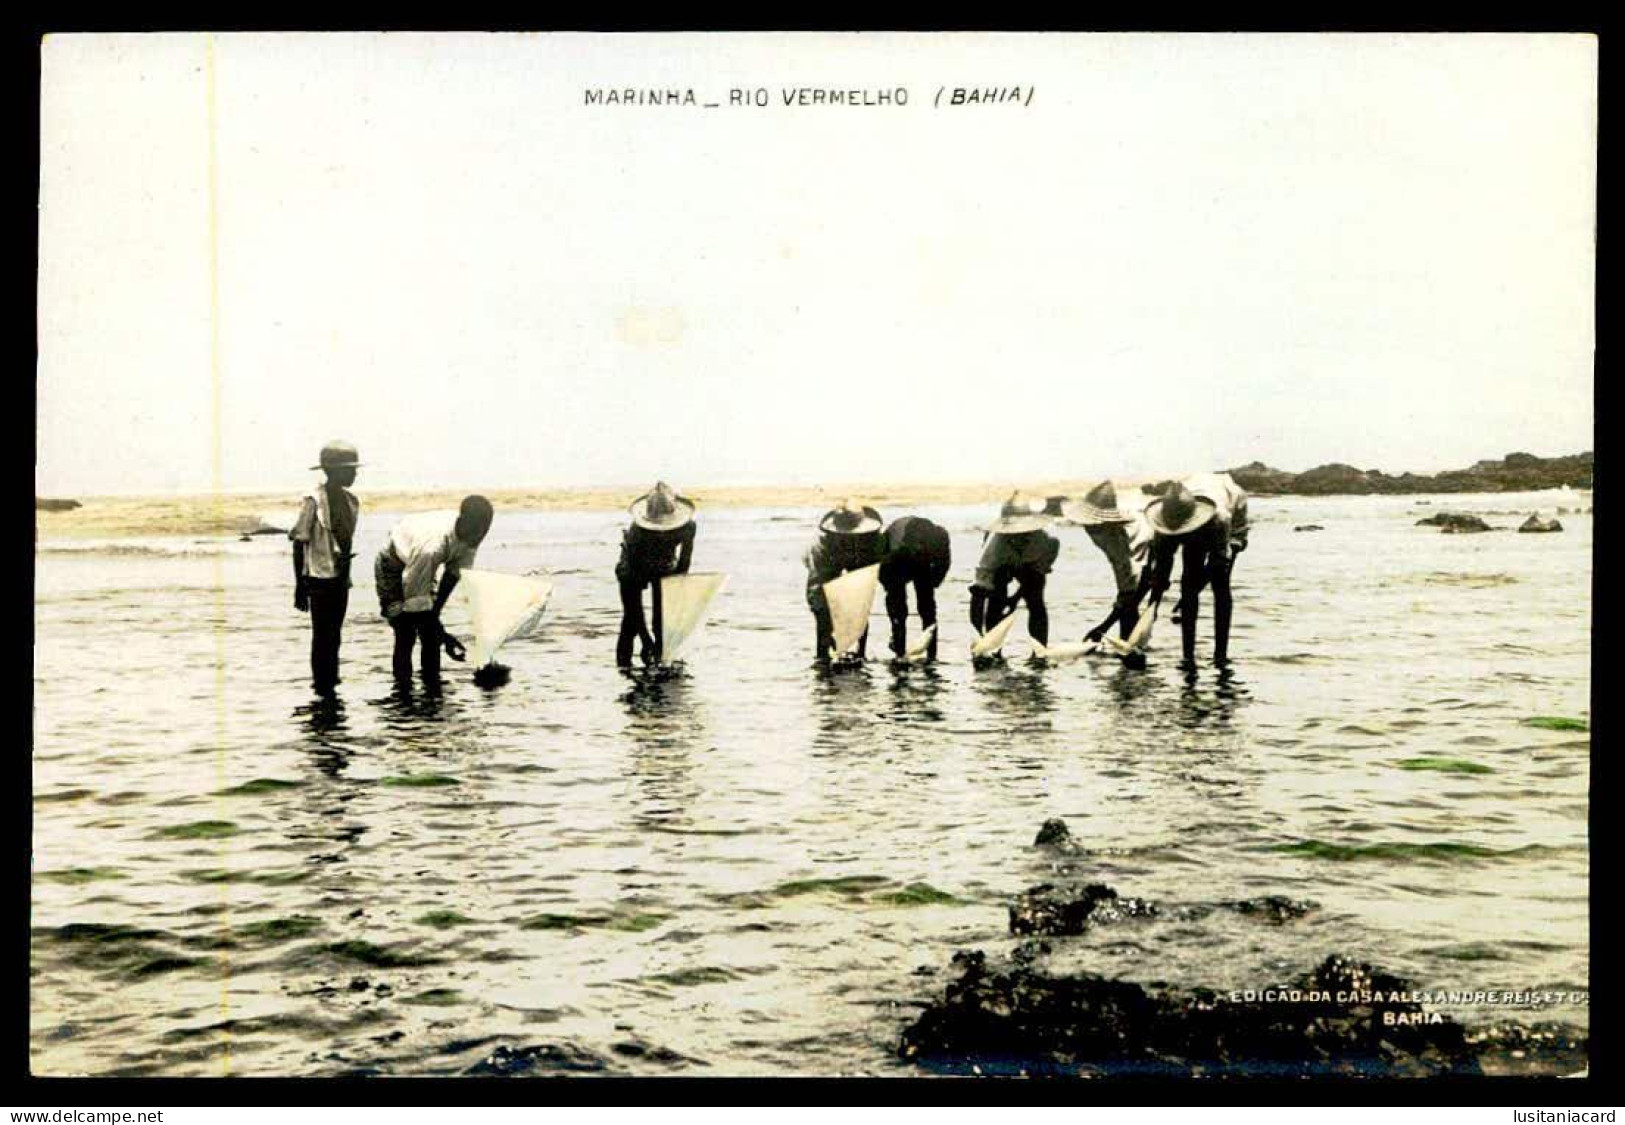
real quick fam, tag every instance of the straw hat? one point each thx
(851, 518)
(1179, 511)
(338, 455)
(1098, 506)
(1019, 514)
(661, 509)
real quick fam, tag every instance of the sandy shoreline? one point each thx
(236, 513)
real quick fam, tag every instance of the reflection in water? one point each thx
(914, 694)
(1019, 693)
(842, 698)
(1215, 709)
(667, 724)
(323, 721)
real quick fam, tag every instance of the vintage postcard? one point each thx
(813, 555)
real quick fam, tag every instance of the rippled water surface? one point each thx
(753, 869)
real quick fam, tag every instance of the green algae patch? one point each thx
(157, 965)
(259, 785)
(1556, 722)
(61, 795)
(1443, 765)
(841, 884)
(702, 974)
(443, 919)
(282, 929)
(419, 780)
(1470, 953)
(436, 997)
(1470, 581)
(198, 830)
(1442, 849)
(627, 921)
(919, 894)
(378, 956)
(263, 878)
(75, 876)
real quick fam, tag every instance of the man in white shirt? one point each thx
(1203, 519)
(419, 547)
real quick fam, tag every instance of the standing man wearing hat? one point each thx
(322, 538)
(1125, 539)
(408, 597)
(659, 541)
(1203, 519)
(915, 551)
(849, 539)
(1016, 548)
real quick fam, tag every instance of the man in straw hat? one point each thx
(659, 541)
(1124, 537)
(849, 539)
(1204, 519)
(322, 537)
(1016, 548)
(419, 547)
(915, 551)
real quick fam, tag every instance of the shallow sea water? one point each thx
(755, 869)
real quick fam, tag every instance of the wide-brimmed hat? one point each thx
(1019, 514)
(851, 518)
(661, 509)
(1098, 506)
(1179, 511)
(338, 455)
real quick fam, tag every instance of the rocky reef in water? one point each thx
(42, 504)
(1343, 1017)
(1516, 472)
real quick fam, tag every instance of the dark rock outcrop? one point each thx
(1535, 524)
(1054, 833)
(1516, 472)
(545, 1058)
(43, 505)
(1343, 1018)
(1308, 527)
(1049, 909)
(1456, 523)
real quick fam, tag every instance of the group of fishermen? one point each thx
(1201, 519)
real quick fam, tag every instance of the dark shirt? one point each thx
(1203, 547)
(833, 555)
(1005, 557)
(915, 548)
(647, 555)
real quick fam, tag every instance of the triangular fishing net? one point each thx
(850, 598)
(684, 598)
(503, 607)
(993, 640)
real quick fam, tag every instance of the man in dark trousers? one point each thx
(849, 539)
(658, 542)
(322, 540)
(915, 551)
(1204, 520)
(1017, 548)
(1125, 539)
(420, 547)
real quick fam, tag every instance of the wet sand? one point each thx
(241, 513)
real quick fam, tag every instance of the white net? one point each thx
(993, 640)
(850, 598)
(684, 599)
(501, 608)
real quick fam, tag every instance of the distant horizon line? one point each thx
(1025, 483)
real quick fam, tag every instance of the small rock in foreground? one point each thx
(1535, 523)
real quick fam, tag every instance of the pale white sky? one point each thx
(1187, 252)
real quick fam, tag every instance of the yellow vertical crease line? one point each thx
(216, 480)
